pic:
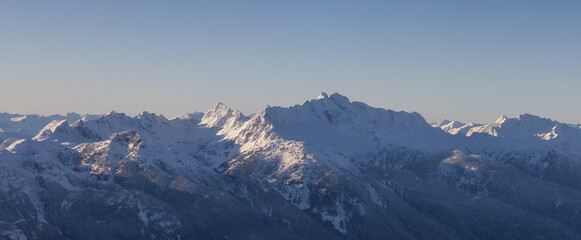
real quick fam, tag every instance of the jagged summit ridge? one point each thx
(221, 115)
(523, 126)
(340, 111)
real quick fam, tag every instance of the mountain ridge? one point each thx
(330, 168)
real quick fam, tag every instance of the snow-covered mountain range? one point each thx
(330, 168)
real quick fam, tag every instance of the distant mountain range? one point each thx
(327, 169)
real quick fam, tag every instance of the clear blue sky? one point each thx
(462, 60)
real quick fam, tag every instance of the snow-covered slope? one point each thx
(525, 125)
(26, 126)
(353, 126)
(299, 147)
(455, 127)
(523, 133)
(330, 168)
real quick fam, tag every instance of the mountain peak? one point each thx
(114, 115)
(335, 97)
(219, 115)
(339, 99)
(445, 122)
(533, 119)
(151, 116)
(501, 119)
(56, 126)
(454, 124)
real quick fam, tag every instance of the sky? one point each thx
(458, 60)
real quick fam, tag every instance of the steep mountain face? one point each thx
(327, 169)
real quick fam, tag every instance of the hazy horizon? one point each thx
(250, 113)
(456, 60)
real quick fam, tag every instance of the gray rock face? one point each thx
(328, 169)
